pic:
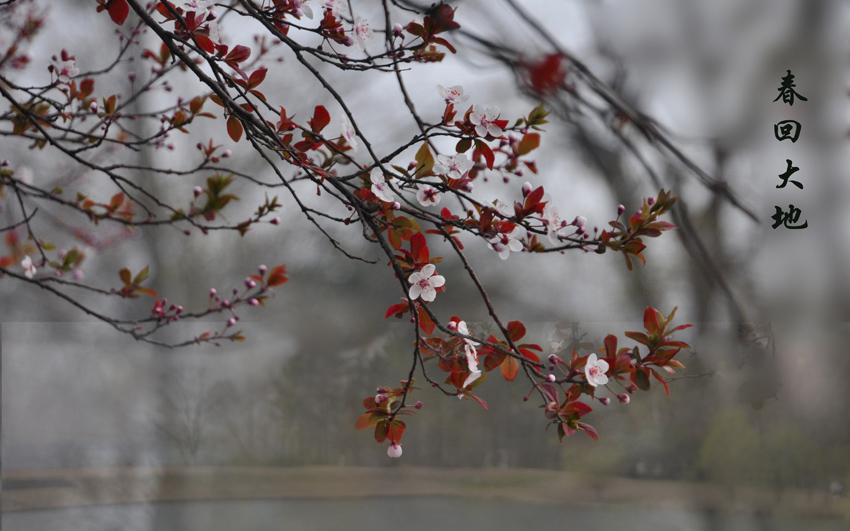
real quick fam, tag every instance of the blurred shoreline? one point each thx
(40, 489)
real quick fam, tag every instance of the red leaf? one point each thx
(419, 248)
(588, 429)
(277, 276)
(239, 54)
(257, 77)
(321, 118)
(510, 368)
(118, 11)
(396, 430)
(234, 128)
(397, 310)
(650, 320)
(516, 330)
(479, 400)
(528, 143)
(425, 322)
(484, 150)
(366, 420)
(660, 379)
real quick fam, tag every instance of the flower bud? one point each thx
(397, 30)
(231, 322)
(396, 205)
(605, 401)
(250, 284)
(131, 76)
(213, 292)
(226, 154)
(79, 274)
(467, 187)
(631, 388)
(263, 269)
(620, 210)
(624, 398)
(452, 326)
(196, 191)
(93, 106)
(650, 201)
(394, 450)
(275, 221)
(526, 188)
(551, 378)
(418, 404)
(254, 302)
(579, 221)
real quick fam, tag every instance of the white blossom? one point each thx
(595, 370)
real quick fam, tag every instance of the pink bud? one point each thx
(452, 326)
(397, 30)
(231, 322)
(226, 154)
(605, 401)
(197, 191)
(551, 378)
(79, 274)
(579, 221)
(275, 221)
(131, 76)
(526, 188)
(418, 404)
(620, 210)
(650, 201)
(249, 282)
(254, 302)
(213, 292)
(93, 106)
(467, 187)
(263, 269)
(624, 398)
(396, 205)
(394, 450)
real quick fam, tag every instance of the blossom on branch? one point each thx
(361, 32)
(427, 195)
(29, 268)
(347, 131)
(379, 186)
(483, 120)
(471, 355)
(394, 449)
(595, 370)
(453, 167)
(555, 226)
(65, 70)
(423, 284)
(505, 244)
(453, 94)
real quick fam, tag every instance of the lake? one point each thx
(411, 513)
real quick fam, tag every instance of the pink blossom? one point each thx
(452, 94)
(427, 195)
(361, 31)
(29, 268)
(65, 70)
(379, 185)
(505, 244)
(471, 355)
(347, 131)
(423, 284)
(483, 120)
(555, 226)
(334, 6)
(453, 167)
(595, 370)
(394, 449)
